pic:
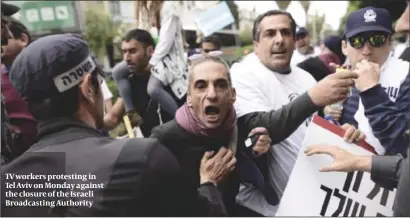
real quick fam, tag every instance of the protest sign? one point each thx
(313, 193)
(214, 19)
(49, 17)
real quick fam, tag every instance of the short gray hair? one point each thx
(205, 58)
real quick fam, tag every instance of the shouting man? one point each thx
(207, 122)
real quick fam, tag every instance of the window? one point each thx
(115, 8)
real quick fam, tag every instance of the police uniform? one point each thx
(82, 172)
(8, 9)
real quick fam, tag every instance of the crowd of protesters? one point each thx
(218, 140)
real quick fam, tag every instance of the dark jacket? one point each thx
(146, 107)
(406, 54)
(280, 124)
(139, 177)
(189, 150)
(394, 172)
(315, 67)
(24, 126)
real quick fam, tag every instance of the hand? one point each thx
(369, 75)
(343, 161)
(352, 134)
(215, 168)
(335, 66)
(263, 144)
(333, 88)
(335, 113)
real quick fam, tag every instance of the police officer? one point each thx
(82, 172)
(7, 10)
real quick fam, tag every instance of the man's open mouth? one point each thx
(212, 110)
(130, 65)
(212, 113)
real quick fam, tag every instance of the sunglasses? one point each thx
(376, 40)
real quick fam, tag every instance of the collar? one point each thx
(385, 64)
(253, 58)
(50, 127)
(285, 71)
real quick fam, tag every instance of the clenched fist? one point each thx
(369, 75)
(263, 143)
(333, 88)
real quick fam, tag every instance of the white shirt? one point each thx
(297, 57)
(398, 49)
(105, 91)
(260, 89)
(169, 64)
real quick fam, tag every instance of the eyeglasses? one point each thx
(375, 40)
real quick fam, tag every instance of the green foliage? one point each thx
(353, 6)
(283, 4)
(305, 5)
(100, 29)
(318, 21)
(240, 52)
(120, 129)
(114, 90)
(246, 35)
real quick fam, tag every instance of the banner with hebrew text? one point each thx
(313, 193)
